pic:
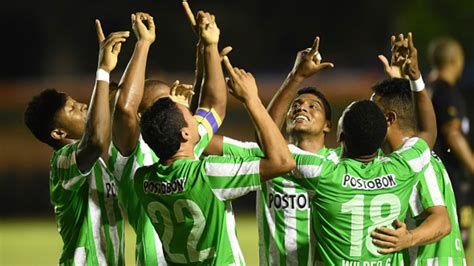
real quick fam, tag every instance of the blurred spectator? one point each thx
(446, 57)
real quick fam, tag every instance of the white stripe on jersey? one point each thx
(261, 235)
(109, 208)
(95, 213)
(307, 171)
(272, 249)
(65, 161)
(291, 246)
(417, 164)
(80, 256)
(432, 262)
(158, 249)
(68, 184)
(415, 202)
(245, 145)
(232, 193)
(450, 261)
(295, 150)
(148, 157)
(234, 243)
(230, 169)
(431, 181)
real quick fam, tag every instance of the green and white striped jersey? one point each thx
(283, 213)
(87, 211)
(148, 245)
(435, 189)
(352, 198)
(189, 205)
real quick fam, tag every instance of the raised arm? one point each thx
(96, 138)
(307, 63)
(213, 93)
(426, 118)
(126, 124)
(404, 64)
(278, 159)
(199, 72)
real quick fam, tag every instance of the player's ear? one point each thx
(58, 134)
(185, 134)
(327, 127)
(391, 118)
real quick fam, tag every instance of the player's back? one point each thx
(190, 211)
(351, 199)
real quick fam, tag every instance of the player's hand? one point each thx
(392, 240)
(308, 62)
(208, 30)
(143, 31)
(181, 93)
(241, 84)
(399, 55)
(411, 68)
(109, 47)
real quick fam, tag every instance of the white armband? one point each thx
(102, 75)
(417, 85)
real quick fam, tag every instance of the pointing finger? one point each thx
(384, 61)
(229, 67)
(315, 47)
(100, 33)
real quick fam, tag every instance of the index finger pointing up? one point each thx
(100, 33)
(189, 13)
(315, 47)
(228, 66)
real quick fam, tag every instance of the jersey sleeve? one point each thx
(426, 193)
(208, 122)
(309, 167)
(232, 177)
(236, 148)
(64, 169)
(416, 153)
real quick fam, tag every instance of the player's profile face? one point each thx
(72, 117)
(190, 121)
(306, 114)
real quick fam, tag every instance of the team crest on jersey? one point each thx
(164, 188)
(380, 182)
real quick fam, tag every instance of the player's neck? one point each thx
(309, 143)
(185, 151)
(359, 158)
(396, 138)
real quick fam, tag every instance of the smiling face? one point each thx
(72, 118)
(307, 116)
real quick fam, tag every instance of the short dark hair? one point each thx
(395, 95)
(363, 128)
(321, 96)
(160, 126)
(442, 50)
(40, 115)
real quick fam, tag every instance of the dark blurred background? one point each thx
(53, 44)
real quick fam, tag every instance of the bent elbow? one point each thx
(446, 228)
(287, 164)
